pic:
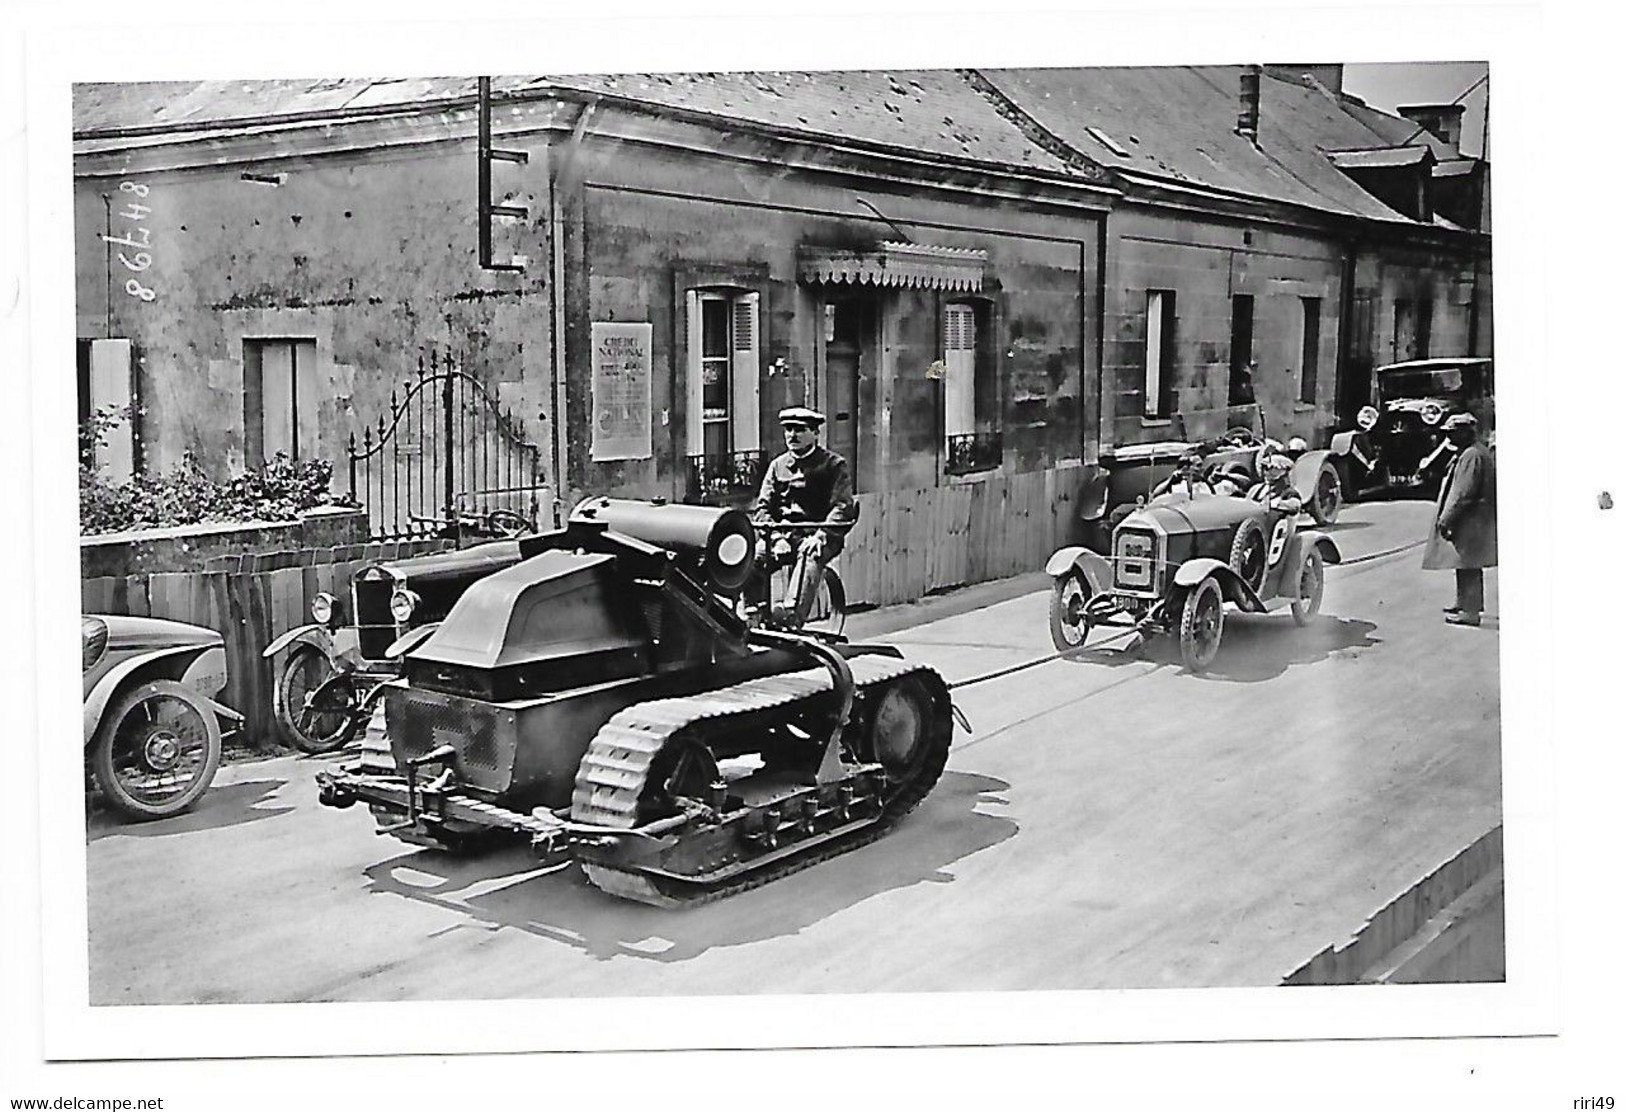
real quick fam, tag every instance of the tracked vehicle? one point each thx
(603, 698)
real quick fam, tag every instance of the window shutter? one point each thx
(307, 395)
(747, 380)
(1153, 354)
(696, 386)
(112, 373)
(276, 399)
(959, 379)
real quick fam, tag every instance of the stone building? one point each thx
(981, 276)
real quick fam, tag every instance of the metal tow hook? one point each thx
(441, 753)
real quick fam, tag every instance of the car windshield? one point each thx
(1421, 382)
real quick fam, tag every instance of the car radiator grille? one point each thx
(375, 626)
(1134, 560)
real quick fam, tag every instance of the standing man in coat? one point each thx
(1464, 525)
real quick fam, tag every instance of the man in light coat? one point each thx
(1464, 525)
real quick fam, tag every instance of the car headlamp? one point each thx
(93, 641)
(1367, 417)
(321, 608)
(1432, 414)
(401, 605)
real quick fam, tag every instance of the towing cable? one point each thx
(1064, 654)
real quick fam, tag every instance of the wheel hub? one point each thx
(162, 750)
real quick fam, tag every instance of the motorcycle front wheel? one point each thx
(158, 751)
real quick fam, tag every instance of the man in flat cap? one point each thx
(1464, 525)
(807, 483)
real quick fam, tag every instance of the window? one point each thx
(1241, 349)
(1159, 353)
(724, 391)
(280, 399)
(970, 388)
(1311, 350)
(106, 373)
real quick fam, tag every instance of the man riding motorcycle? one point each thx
(807, 483)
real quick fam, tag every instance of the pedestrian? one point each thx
(1463, 535)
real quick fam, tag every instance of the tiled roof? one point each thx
(1179, 124)
(933, 111)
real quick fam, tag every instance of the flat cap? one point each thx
(800, 415)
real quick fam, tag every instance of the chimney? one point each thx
(1442, 120)
(1328, 75)
(1247, 118)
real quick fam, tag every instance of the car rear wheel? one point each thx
(1311, 585)
(1201, 625)
(1068, 626)
(158, 751)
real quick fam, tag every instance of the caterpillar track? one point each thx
(618, 777)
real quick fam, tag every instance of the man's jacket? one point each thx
(813, 487)
(1466, 510)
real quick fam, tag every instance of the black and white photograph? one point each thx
(628, 550)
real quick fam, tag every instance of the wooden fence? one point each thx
(907, 544)
(250, 600)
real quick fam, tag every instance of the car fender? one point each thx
(1095, 568)
(1093, 497)
(316, 636)
(1234, 587)
(1306, 471)
(1297, 551)
(173, 665)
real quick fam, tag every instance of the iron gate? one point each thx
(446, 458)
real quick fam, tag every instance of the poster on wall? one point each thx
(620, 391)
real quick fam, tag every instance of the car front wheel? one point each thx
(1201, 625)
(1068, 626)
(1311, 585)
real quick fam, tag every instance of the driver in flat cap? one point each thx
(807, 483)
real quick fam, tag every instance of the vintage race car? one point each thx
(1177, 560)
(1133, 473)
(333, 664)
(1399, 443)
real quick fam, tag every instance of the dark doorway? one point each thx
(1241, 349)
(851, 325)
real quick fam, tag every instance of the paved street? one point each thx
(1113, 822)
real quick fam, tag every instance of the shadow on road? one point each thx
(559, 904)
(220, 807)
(1255, 646)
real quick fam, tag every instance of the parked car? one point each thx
(1399, 443)
(153, 730)
(1132, 474)
(1178, 559)
(334, 665)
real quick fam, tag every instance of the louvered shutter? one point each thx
(696, 379)
(747, 381)
(959, 378)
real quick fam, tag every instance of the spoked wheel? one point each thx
(1311, 585)
(315, 706)
(1327, 502)
(158, 751)
(1201, 625)
(827, 614)
(1068, 625)
(1249, 552)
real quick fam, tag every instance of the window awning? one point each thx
(916, 265)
